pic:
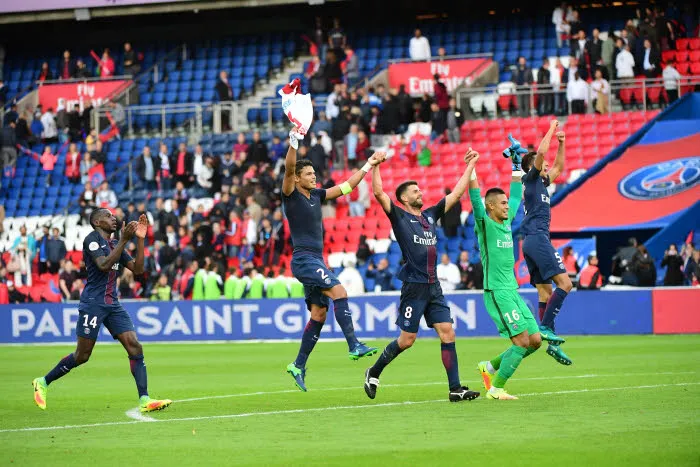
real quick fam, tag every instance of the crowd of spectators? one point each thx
(99, 66)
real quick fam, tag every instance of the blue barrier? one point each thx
(585, 312)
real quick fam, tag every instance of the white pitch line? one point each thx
(136, 414)
(323, 409)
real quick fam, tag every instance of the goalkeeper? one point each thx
(503, 303)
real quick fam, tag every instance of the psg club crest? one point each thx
(661, 180)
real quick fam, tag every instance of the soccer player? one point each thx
(503, 303)
(99, 304)
(421, 294)
(543, 261)
(302, 201)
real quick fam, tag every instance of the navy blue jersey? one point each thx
(305, 219)
(101, 287)
(537, 208)
(417, 239)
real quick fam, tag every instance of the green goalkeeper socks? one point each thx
(510, 361)
(496, 362)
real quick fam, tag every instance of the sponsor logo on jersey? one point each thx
(661, 180)
(545, 198)
(429, 239)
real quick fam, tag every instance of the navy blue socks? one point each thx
(449, 360)
(553, 306)
(308, 341)
(63, 368)
(344, 318)
(390, 352)
(138, 369)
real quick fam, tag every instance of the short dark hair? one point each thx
(528, 160)
(492, 192)
(94, 215)
(401, 189)
(301, 163)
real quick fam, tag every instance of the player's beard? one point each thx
(418, 203)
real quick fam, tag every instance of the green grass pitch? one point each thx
(626, 401)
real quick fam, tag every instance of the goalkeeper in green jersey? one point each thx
(513, 318)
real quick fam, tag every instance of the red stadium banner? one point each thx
(674, 312)
(418, 77)
(78, 92)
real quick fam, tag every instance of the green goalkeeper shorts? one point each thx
(510, 313)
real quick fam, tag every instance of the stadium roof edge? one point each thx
(150, 9)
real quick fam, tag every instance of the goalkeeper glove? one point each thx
(514, 152)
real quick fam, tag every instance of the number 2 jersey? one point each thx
(101, 287)
(496, 240)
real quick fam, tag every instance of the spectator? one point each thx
(579, 48)
(55, 251)
(332, 107)
(693, 269)
(452, 218)
(644, 267)
(257, 152)
(67, 279)
(3, 93)
(363, 250)
(313, 67)
(569, 260)
(106, 198)
(240, 149)
(651, 63)
(674, 267)
(181, 162)
(351, 66)
(161, 291)
(22, 129)
(607, 55)
(594, 48)
(337, 40)
(21, 265)
(278, 149)
(624, 64)
(97, 154)
(48, 162)
(471, 274)
(73, 160)
(351, 278)
(331, 70)
(671, 79)
(81, 70)
(382, 276)
(11, 116)
(42, 249)
(87, 202)
(147, 169)
(601, 92)
(544, 88)
(437, 122)
(85, 165)
(50, 132)
(227, 169)
(36, 129)
(75, 125)
(590, 278)
(45, 73)
(205, 178)
(405, 102)
(577, 94)
(575, 25)
(67, 66)
(164, 172)
(131, 61)
(14, 295)
(358, 199)
(419, 47)
(523, 77)
(8, 142)
(320, 37)
(441, 54)
(560, 18)
(106, 65)
(225, 93)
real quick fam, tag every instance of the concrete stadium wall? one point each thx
(629, 311)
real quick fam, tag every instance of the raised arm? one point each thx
(136, 264)
(516, 195)
(350, 184)
(290, 163)
(378, 190)
(544, 145)
(478, 208)
(558, 166)
(461, 186)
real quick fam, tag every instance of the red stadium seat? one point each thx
(682, 55)
(694, 44)
(654, 94)
(682, 44)
(683, 68)
(626, 96)
(694, 56)
(695, 68)
(668, 55)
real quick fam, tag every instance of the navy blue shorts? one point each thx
(419, 300)
(543, 261)
(310, 270)
(91, 317)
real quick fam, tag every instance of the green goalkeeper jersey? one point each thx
(496, 241)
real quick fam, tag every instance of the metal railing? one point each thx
(527, 100)
(164, 120)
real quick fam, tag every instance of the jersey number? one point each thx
(409, 312)
(556, 253)
(324, 276)
(514, 314)
(93, 321)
